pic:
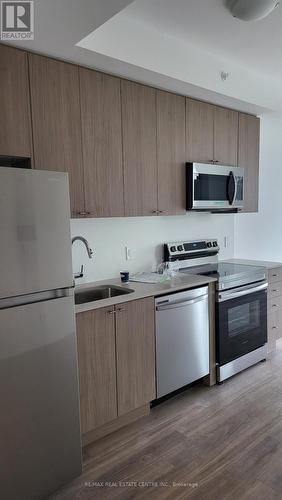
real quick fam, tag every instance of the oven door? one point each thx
(214, 187)
(241, 321)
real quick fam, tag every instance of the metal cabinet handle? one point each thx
(275, 290)
(275, 328)
(120, 309)
(155, 212)
(274, 305)
(111, 312)
(274, 275)
(83, 213)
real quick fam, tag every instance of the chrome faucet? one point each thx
(89, 253)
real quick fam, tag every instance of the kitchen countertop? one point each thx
(263, 263)
(141, 290)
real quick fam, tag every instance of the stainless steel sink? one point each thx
(99, 293)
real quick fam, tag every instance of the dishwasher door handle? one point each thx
(177, 305)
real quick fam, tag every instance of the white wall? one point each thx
(259, 236)
(145, 236)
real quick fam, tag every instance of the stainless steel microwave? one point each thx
(214, 187)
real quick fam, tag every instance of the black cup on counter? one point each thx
(124, 276)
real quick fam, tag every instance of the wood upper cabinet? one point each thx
(135, 344)
(15, 127)
(56, 119)
(226, 136)
(199, 131)
(171, 153)
(139, 148)
(97, 367)
(248, 157)
(101, 143)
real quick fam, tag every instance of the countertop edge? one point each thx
(141, 290)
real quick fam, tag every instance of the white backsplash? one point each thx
(145, 237)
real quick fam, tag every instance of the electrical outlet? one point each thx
(128, 254)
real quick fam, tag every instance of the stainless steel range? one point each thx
(241, 302)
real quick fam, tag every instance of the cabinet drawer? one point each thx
(275, 275)
(274, 289)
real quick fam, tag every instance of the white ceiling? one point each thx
(209, 25)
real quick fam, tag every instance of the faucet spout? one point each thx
(85, 242)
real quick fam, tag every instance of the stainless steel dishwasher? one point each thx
(182, 339)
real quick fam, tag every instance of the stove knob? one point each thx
(173, 249)
(209, 244)
(180, 248)
(215, 243)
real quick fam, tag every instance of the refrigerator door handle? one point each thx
(32, 298)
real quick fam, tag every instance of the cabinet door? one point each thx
(139, 148)
(199, 131)
(171, 153)
(56, 122)
(97, 367)
(225, 136)
(248, 157)
(15, 128)
(135, 343)
(101, 143)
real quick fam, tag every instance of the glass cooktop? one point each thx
(229, 274)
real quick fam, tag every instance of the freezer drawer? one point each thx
(182, 339)
(39, 420)
(35, 250)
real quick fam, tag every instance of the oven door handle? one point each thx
(228, 295)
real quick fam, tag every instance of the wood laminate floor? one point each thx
(223, 442)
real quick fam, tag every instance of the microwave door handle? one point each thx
(236, 189)
(231, 188)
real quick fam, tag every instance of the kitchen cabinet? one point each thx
(139, 148)
(274, 308)
(54, 88)
(225, 136)
(199, 131)
(97, 367)
(101, 143)
(135, 344)
(248, 157)
(116, 361)
(15, 135)
(211, 133)
(171, 153)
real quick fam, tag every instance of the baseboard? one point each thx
(116, 424)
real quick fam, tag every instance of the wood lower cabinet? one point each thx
(54, 88)
(248, 157)
(274, 308)
(171, 153)
(101, 143)
(139, 129)
(15, 125)
(116, 362)
(226, 136)
(97, 367)
(135, 344)
(199, 131)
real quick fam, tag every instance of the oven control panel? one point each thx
(180, 250)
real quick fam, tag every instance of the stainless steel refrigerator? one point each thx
(40, 446)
